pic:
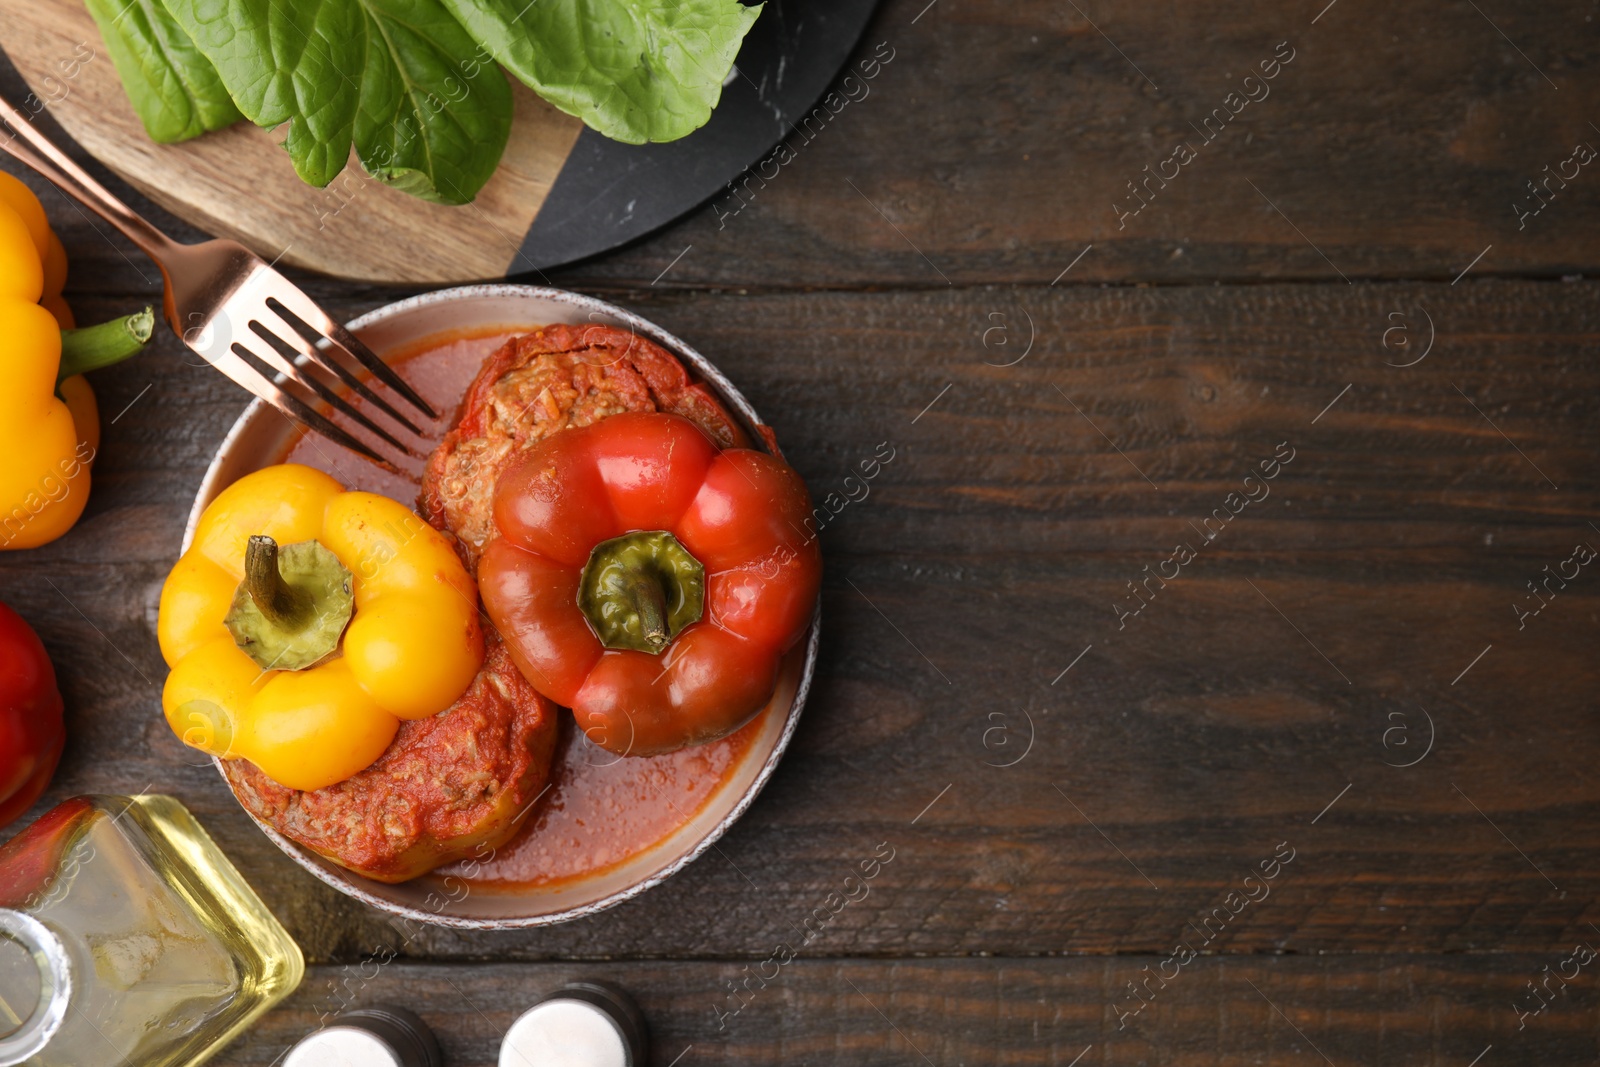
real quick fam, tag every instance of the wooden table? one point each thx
(1075, 795)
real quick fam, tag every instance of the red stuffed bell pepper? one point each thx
(31, 729)
(649, 581)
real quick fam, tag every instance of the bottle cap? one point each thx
(585, 1024)
(369, 1037)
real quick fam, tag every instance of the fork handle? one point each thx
(73, 180)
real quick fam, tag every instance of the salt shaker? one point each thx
(584, 1024)
(384, 1036)
(127, 937)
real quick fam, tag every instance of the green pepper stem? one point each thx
(93, 347)
(643, 591)
(640, 590)
(284, 606)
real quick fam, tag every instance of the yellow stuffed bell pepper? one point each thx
(305, 622)
(49, 429)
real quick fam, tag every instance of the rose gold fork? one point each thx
(217, 290)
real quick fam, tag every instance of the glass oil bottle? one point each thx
(128, 938)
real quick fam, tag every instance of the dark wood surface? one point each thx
(1261, 702)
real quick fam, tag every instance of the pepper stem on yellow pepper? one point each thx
(92, 347)
(292, 607)
(284, 606)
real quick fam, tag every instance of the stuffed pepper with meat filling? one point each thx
(649, 580)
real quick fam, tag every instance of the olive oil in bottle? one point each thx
(127, 938)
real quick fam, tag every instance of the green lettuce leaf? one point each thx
(175, 92)
(435, 113)
(396, 78)
(288, 61)
(635, 70)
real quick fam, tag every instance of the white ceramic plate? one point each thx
(262, 437)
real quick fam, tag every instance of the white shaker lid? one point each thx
(380, 1036)
(344, 1046)
(580, 1026)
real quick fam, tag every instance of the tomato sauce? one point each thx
(600, 810)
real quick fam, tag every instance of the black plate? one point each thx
(609, 193)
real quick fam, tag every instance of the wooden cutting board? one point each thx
(238, 182)
(562, 192)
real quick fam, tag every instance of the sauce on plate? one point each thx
(599, 810)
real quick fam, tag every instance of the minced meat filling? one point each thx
(533, 386)
(448, 786)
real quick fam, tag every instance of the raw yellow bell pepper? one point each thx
(280, 560)
(49, 425)
(73, 389)
(19, 198)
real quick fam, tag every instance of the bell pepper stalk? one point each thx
(650, 581)
(305, 622)
(49, 429)
(31, 729)
(640, 590)
(87, 348)
(291, 608)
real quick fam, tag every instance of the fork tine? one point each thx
(387, 374)
(308, 338)
(309, 415)
(281, 359)
(321, 323)
(252, 380)
(315, 420)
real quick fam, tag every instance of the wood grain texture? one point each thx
(990, 552)
(991, 149)
(1246, 1010)
(239, 183)
(1264, 701)
(994, 146)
